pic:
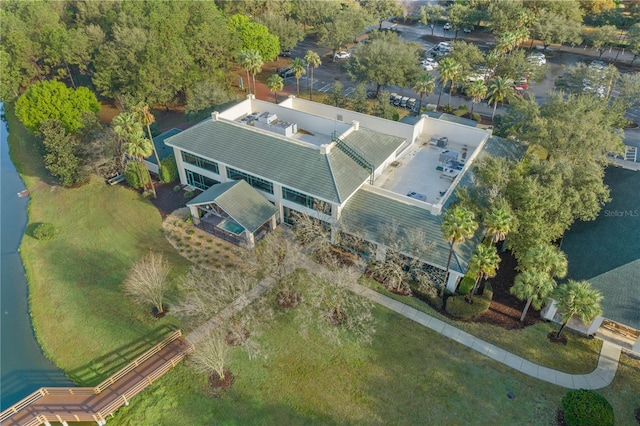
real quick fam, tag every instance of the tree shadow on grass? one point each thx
(99, 369)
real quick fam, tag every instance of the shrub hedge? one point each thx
(584, 407)
(466, 285)
(44, 231)
(168, 169)
(459, 307)
(132, 173)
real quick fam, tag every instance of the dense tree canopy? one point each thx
(255, 37)
(563, 180)
(343, 26)
(370, 62)
(52, 100)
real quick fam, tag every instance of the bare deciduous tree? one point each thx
(278, 256)
(334, 309)
(147, 281)
(313, 234)
(206, 293)
(212, 353)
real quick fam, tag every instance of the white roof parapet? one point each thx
(325, 148)
(215, 116)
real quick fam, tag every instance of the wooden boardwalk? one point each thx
(95, 404)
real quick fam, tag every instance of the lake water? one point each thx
(23, 367)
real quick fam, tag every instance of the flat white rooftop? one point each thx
(418, 170)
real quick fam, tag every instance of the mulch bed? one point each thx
(167, 199)
(505, 308)
(218, 386)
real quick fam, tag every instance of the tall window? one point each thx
(306, 200)
(200, 162)
(256, 182)
(198, 181)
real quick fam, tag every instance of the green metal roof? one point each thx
(606, 252)
(163, 150)
(240, 201)
(373, 146)
(332, 177)
(367, 212)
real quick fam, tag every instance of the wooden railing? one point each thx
(141, 385)
(25, 402)
(113, 405)
(136, 362)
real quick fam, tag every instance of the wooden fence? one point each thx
(112, 406)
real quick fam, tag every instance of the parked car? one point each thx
(427, 66)
(285, 53)
(537, 59)
(371, 94)
(286, 72)
(467, 29)
(476, 76)
(522, 82)
(597, 65)
(443, 46)
(397, 100)
(342, 55)
(403, 101)
(392, 97)
(446, 26)
(411, 103)
(429, 61)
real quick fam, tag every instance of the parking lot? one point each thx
(558, 59)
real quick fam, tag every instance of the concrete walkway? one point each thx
(239, 304)
(600, 377)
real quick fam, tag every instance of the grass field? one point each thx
(81, 318)
(579, 356)
(409, 375)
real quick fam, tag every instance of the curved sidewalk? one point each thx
(600, 377)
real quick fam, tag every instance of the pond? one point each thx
(23, 366)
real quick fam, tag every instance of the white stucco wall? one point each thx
(377, 124)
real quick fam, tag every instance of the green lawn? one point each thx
(408, 375)
(579, 356)
(81, 317)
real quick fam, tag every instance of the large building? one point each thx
(359, 173)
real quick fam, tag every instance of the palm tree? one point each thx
(313, 60)
(478, 91)
(244, 57)
(449, 72)
(485, 263)
(498, 224)
(545, 258)
(534, 287)
(425, 84)
(147, 119)
(500, 89)
(458, 224)
(299, 67)
(139, 147)
(255, 66)
(275, 83)
(125, 124)
(578, 298)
